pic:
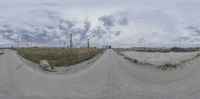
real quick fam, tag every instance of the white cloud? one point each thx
(121, 23)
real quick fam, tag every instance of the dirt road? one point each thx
(110, 77)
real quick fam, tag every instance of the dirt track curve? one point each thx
(110, 77)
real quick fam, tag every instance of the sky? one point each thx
(120, 23)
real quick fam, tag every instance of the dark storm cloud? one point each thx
(195, 40)
(120, 18)
(87, 26)
(195, 30)
(194, 35)
(123, 18)
(8, 36)
(108, 21)
(6, 33)
(123, 21)
(57, 27)
(117, 33)
(98, 32)
(82, 31)
(183, 39)
(26, 35)
(76, 31)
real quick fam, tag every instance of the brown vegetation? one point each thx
(164, 67)
(58, 56)
(162, 50)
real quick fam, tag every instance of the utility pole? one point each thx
(12, 44)
(59, 43)
(18, 40)
(88, 43)
(71, 43)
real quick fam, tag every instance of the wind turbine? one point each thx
(88, 40)
(18, 39)
(69, 36)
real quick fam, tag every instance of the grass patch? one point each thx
(58, 56)
(130, 59)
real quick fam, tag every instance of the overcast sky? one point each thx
(120, 23)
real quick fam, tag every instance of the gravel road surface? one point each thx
(110, 77)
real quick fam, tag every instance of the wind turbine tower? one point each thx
(88, 43)
(71, 42)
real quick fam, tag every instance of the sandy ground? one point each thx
(158, 58)
(110, 77)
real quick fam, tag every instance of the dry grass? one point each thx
(58, 56)
(161, 50)
(164, 67)
(167, 66)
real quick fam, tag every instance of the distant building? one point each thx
(107, 46)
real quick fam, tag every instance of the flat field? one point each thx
(58, 56)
